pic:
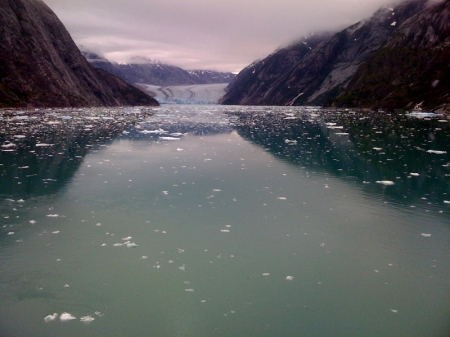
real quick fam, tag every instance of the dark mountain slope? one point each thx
(40, 64)
(412, 68)
(320, 73)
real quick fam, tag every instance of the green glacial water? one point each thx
(224, 221)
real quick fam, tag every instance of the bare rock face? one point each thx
(40, 64)
(342, 68)
(411, 69)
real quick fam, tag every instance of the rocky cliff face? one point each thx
(317, 71)
(157, 73)
(412, 68)
(40, 64)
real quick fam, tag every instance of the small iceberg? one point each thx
(50, 318)
(385, 182)
(87, 319)
(65, 316)
(437, 152)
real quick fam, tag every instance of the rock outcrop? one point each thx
(352, 68)
(145, 71)
(40, 65)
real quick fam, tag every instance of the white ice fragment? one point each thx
(217, 190)
(225, 230)
(127, 238)
(446, 202)
(55, 232)
(43, 145)
(385, 182)
(10, 233)
(289, 141)
(52, 215)
(87, 319)
(281, 198)
(50, 318)
(425, 235)
(32, 222)
(66, 286)
(98, 224)
(436, 152)
(143, 257)
(393, 23)
(289, 278)
(103, 244)
(180, 250)
(118, 244)
(394, 311)
(65, 316)
(130, 244)
(378, 148)
(414, 174)
(179, 149)
(183, 267)
(189, 290)
(266, 274)
(169, 138)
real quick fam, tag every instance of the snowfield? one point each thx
(185, 94)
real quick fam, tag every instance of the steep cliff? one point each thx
(317, 73)
(412, 68)
(145, 71)
(40, 64)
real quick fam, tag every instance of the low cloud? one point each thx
(202, 34)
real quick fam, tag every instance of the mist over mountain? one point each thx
(397, 58)
(144, 71)
(41, 66)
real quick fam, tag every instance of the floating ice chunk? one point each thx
(394, 311)
(378, 148)
(179, 149)
(165, 192)
(130, 244)
(180, 250)
(414, 174)
(189, 290)
(118, 244)
(43, 145)
(289, 141)
(10, 233)
(436, 152)
(266, 274)
(143, 257)
(103, 244)
(225, 230)
(66, 286)
(98, 224)
(217, 190)
(169, 138)
(20, 200)
(393, 23)
(65, 316)
(183, 267)
(55, 232)
(8, 145)
(425, 235)
(446, 202)
(52, 215)
(289, 278)
(50, 318)
(87, 319)
(342, 133)
(127, 238)
(281, 198)
(20, 136)
(385, 182)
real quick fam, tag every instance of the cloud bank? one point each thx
(224, 35)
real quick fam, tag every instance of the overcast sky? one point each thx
(224, 35)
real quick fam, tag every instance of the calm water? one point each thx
(278, 222)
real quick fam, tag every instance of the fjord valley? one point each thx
(125, 214)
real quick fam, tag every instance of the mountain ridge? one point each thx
(41, 66)
(327, 73)
(144, 71)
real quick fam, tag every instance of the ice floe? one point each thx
(65, 316)
(385, 182)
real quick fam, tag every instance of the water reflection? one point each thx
(413, 154)
(42, 150)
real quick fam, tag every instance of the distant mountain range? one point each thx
(40, 65)
(145, 71)
(398, 58)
